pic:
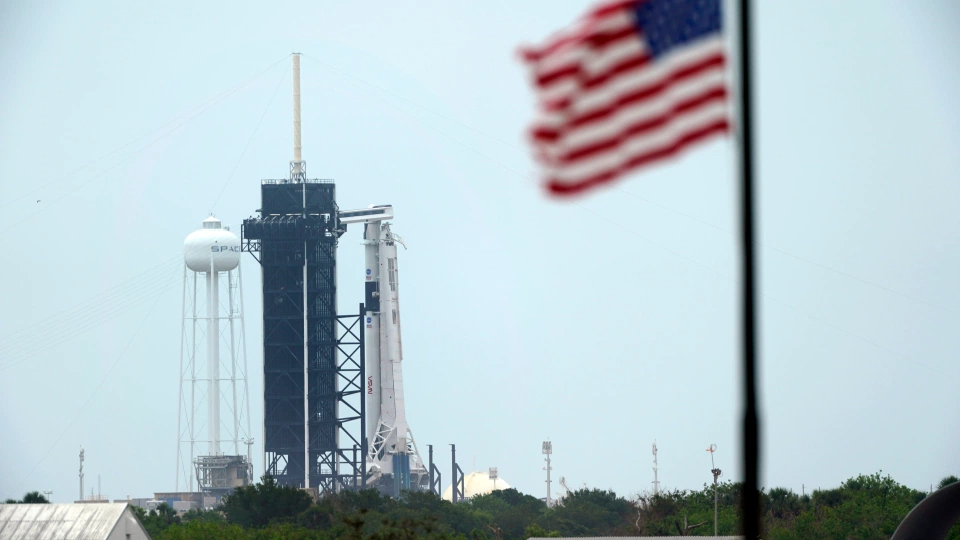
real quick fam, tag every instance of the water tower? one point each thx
(213, 366)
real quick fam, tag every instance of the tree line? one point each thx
(866, 507)
(33, 497)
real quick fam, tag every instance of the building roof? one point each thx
(60, 521)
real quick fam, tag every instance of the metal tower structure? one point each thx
(457, 491)
(309, 377)
(716, 474)
(547, 450)
(211, 380)
(435, 476)
(81, 474)
(351, 402)
(656, 482)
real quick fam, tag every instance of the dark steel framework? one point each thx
(352, 403)
(435, 477)
(457, 491)
(295, 240)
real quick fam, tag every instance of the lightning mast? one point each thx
(298, 167)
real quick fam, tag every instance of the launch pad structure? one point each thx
(334, 414)
(332, 390)
(295, 242)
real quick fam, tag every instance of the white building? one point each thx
(477, 483)
(106, 521)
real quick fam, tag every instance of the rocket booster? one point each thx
(371, 318)
(391, 352)
(389, 438)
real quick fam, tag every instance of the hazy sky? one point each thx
(603, 323)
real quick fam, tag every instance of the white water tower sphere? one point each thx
(211, 241)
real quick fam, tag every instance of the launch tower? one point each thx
(306, 383)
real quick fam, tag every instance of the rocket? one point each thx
(391, 447)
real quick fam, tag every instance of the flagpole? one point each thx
(750, 500)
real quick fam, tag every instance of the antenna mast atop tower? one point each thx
(298, 167)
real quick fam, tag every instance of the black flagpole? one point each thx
(752, 525)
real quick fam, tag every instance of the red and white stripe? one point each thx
(606, 107)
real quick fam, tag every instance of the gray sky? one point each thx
(603, 323)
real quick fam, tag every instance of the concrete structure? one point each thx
(171, 497)
(137, 501)
(184, 506)
(108, 521)
(93, 499)
(477, 483)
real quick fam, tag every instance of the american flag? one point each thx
(630, 83)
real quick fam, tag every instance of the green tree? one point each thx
(536, 531)
(197, 529)
(947, 481)
(258, 505)
(510, 511)
(865, 507)
(593, 511)
(157, 521)
(206, 516)
(34, 497)
(782, 503)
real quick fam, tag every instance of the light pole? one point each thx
(547, 450)
(716, 474)
(656, 482)
(81, 475)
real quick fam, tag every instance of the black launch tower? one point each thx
(295, 242)
(313, 359)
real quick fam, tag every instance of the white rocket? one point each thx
(391, 448)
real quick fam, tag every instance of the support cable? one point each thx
(199, 109)
(93, 395)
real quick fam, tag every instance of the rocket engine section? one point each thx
(393, 461)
